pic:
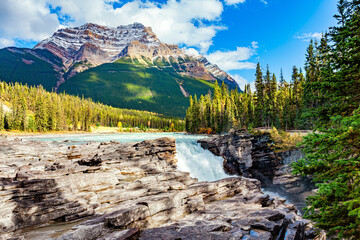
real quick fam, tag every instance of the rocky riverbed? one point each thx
(130, 191)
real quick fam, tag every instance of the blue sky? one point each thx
(276, 26)
(235, 34)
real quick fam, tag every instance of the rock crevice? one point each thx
(251, 155)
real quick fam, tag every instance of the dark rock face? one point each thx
(290, 156)
(242, 151)
(251, 155)
(131, 191)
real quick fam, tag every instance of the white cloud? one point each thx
(189, 22)
(26, 19)
(192, 23)
(233, 2)
(6, 42)
(175, 22)
(242, 82)
(254, 45)
(309, 36)
(191, 51)
(233, 60)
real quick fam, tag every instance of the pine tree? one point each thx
(40, 114)
(1, 117)
(87, 119)
(273, 102)
(344, 97)
(267, 97)
(208, 111)
(260, 91)
(333, 160)
(310, 96)
(23, 114)
(294, 86)
(282, 96)
(332, 153)
(282, 79)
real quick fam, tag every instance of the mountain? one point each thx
(126, 66)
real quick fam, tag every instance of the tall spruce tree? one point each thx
(260, 92)
(273, 101)
(345, 38)
(1, 117)
(41, 114)
(23, 114)
(267, 97)
(311, 94)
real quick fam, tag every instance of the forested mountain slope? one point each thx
(126, 66)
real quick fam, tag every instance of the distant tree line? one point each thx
(274, 103)
(34, 109)
(297, 104)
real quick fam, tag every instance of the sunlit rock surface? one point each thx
(130, 191)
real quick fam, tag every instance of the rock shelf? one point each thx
(131, 191)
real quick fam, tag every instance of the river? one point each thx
(192, 158)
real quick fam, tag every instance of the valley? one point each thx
(180, 120)
(125, 67)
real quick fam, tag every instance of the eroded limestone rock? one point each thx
(130, 191)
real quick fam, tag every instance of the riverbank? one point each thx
(94, 130)
(135, 187)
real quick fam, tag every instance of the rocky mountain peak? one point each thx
(90, 45)
(65, 43)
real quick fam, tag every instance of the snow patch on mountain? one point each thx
(93, 45)
(110, 40)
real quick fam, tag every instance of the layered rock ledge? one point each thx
(131, 191)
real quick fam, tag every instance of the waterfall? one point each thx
(201, 163)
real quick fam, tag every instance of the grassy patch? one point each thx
(136, 86)
(284, 140)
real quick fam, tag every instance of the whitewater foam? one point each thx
(192, 158)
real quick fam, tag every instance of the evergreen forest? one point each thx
(34, 109)
(325, 98)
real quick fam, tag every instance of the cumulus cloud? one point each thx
(26, 19)
(191, 51)
(233, 2)
(6, 42)
(242, 82)
(233, 60)
(188, 22)
(308, 36)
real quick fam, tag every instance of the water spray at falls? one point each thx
(192, 158)
(201, 163)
